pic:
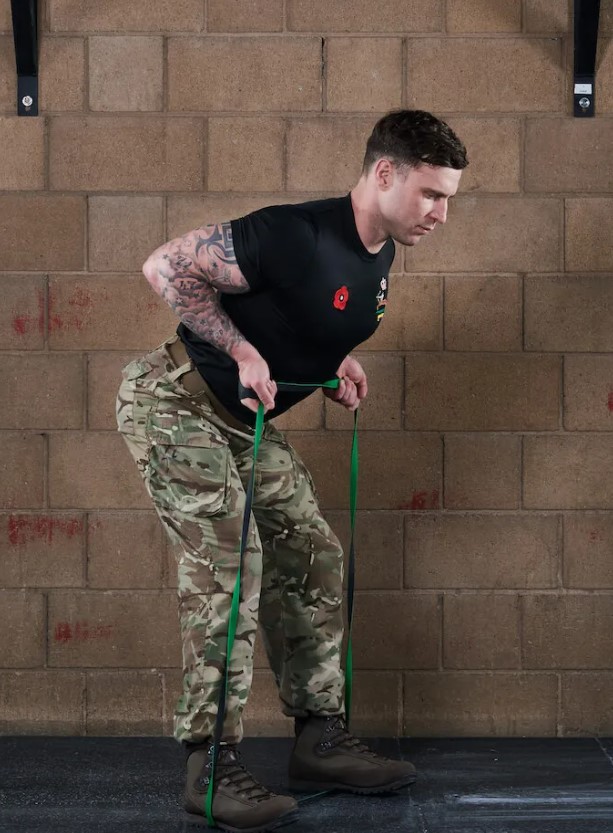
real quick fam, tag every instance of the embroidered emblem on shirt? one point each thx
(381, 299)
(341, 297)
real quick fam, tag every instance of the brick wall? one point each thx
(485, 576)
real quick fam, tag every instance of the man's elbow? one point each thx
(151, 271)
(149, 267)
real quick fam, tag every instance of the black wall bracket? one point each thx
(587, 13)
(25, 34)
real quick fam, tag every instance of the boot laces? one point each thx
(231, 771)
(336, 734)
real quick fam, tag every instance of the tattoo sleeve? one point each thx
(189, 272)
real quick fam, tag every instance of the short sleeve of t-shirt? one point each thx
(274, 246)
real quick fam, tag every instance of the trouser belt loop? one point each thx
(184, 368)
(178, 355)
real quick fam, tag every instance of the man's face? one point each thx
(412, 203)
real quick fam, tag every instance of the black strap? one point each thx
(587, 13)
(25, 35)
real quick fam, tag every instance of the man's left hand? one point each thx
(352, 388)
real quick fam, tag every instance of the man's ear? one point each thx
(385, 172)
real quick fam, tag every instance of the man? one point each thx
(283, 294)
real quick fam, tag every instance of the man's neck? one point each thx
(367, 220)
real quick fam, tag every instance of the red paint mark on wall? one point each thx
(23, 323)
(23, 529)
(20, 324)
(595, 536)
(77, 310)
(146, 309)
(81, 299)
(81, 631)
(610, 401)
(421, 500)
(57, 322)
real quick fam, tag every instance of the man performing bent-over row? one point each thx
(282, 294)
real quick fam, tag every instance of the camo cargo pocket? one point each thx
(189, 462)
(133, 397)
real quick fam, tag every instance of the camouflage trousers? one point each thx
(196, 467)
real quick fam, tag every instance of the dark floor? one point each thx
(481, 785)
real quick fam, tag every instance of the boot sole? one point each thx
(201, 821)
(308, 786)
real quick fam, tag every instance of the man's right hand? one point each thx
(254, 373)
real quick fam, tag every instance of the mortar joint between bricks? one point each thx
(164, 74)
(561, 558)
(324, 76)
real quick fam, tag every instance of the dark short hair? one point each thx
(411, 137)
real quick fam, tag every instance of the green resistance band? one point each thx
(234, 608)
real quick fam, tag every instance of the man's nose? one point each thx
(439, 212)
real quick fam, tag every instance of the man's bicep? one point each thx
(208, 252)
(214, 251)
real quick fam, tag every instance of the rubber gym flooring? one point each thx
(464, 785)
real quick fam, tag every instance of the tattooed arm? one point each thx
(188, 273)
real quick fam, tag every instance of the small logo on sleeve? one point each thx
(382, 299)
(341, 296)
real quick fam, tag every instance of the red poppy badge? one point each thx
(341, 297)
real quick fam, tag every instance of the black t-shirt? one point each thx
(316, 292)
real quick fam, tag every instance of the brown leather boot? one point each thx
(327, 757)
(240, 803)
